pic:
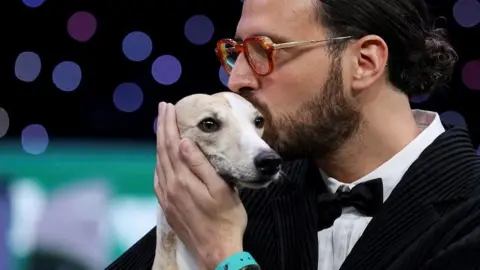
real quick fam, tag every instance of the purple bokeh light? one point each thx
(128, 97)
(4, 122)
(27, 66)
(453, 118)
(471, 74)
(467, 13)
(67, 76)
(166, 69)
(199, 29)
(82, 26)
(420, 98)
(35, 139)
(137, 46)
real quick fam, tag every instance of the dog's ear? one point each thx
(187, 109)
(184, 110)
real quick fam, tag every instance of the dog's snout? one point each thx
(268, 163)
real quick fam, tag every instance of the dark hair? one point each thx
(420, 58)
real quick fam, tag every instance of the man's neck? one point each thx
(387, 127)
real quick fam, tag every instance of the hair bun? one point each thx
(432, 67)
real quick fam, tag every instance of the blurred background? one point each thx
(78, 114)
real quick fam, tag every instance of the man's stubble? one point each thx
(319, 127)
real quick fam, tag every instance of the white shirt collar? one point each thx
(393, 170)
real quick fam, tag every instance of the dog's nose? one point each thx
(268, 163)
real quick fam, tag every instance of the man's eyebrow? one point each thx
(274, 37)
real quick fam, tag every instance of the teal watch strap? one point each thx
(238, 261)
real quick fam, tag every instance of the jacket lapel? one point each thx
(411, 209)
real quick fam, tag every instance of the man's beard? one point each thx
(318, 128)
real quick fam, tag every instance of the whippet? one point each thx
(228, 129)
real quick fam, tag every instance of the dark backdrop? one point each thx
(45, 34)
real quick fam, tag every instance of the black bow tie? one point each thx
(366, 197)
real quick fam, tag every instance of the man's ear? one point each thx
(370, 56)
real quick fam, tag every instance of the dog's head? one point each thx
(228, 129)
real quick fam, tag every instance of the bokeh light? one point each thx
(166, 69)
(155, 125)
(467, 12)
(128, 97)
(82, 26)
(223, 76)
(199, 29)
(34, 139)
(67, 76)
(27, 66)
(137, 46)
(33, 3)
(453, 118)
(420, 98)
(4, 122)
(471, 75)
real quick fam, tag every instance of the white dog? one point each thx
(228, 129)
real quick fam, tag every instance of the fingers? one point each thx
(163, 161)
(201, 167)
(175, 183)
(172, 136)
(177, 177)
(175, 173)
(157, 186)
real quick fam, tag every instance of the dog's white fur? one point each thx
(231, 150)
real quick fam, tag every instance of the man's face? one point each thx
(306, 101)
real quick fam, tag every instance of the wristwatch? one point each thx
(239, 261)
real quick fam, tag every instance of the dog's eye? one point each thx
(259, 122)
(209, 125)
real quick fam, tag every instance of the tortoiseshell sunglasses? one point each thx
(259, 52)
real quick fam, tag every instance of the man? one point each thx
(335, 95)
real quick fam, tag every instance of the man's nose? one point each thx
(242, 76)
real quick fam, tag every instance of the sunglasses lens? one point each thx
(258, 56)
(228, 56)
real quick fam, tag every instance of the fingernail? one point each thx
(161, 107)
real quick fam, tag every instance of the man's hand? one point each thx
(205, 213)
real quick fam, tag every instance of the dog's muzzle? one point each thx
(267, 163)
